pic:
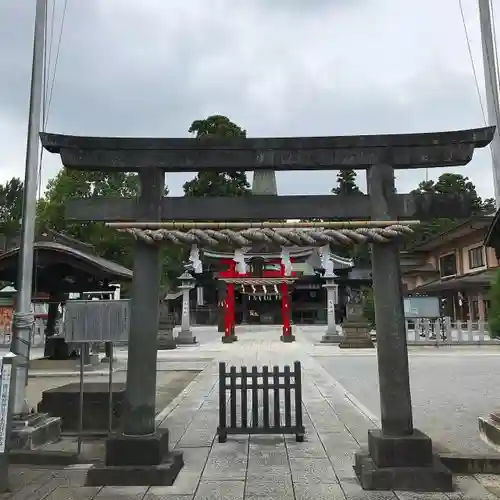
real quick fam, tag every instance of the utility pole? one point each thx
(491, 81)
(23, 317)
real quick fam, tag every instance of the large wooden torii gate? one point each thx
(399, 456)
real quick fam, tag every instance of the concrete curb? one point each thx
(49, 458)
(468, 465)
(55, 374)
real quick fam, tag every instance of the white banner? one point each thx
(4, 403)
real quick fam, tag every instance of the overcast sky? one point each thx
(275, 67)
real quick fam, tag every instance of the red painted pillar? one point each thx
(229, 307)
(285, 310)
(227, 318)
(232, 300)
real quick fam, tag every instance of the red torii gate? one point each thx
(269, 277)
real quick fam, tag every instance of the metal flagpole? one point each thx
(23, 317)
(491, 80)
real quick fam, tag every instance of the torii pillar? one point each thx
(139, 454)
(399, 457)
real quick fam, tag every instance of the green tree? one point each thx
(71, 184)
(447, 183)
(494, 309)
(489, 205)
(346, 183)
(11, 207)
(209, 183)
(109, 243)
(346, 186)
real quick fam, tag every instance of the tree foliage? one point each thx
(209, 183)
(346, 183)
(71, 184)
(494, 309)
(489, 205)
(447, 183)
(11, 207)
(109, 243)
(347, 186)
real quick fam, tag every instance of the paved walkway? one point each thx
(253, 468)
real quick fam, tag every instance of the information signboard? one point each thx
(97, 320)
(422, 307)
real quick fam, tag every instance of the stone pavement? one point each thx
(259, 467)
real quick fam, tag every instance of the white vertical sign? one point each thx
(331, 306)
(4, 403)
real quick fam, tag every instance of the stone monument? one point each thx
(356, 328)
(166, 325)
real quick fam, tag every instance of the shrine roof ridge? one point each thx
(480, 137)
(85, 260)
(295, 252)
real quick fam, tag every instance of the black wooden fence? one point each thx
(241, 383)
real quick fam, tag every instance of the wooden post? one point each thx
(222, 403)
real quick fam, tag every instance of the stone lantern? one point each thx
(331, 335)
(186, 335)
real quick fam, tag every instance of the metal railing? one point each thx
(444, 331)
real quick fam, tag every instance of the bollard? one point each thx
(7, 384)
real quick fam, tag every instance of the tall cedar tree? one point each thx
(210, 183)
(346, 183)
(11, 207)
(346, 186)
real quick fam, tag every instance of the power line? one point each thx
(471, 57)
(58, 51)
(50, 79)
(493, 78)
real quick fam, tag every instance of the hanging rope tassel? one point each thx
(194, 258)
(286, 261)
(326, 259)
(239, 258)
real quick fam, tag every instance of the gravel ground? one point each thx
(449, 391)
